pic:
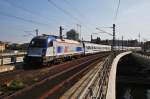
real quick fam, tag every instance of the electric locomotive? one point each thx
(47, 48)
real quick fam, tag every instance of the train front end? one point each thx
(37, 50)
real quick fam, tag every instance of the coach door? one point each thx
(50, 49)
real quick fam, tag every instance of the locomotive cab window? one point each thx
(38, 43)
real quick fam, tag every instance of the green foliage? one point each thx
(15, 84)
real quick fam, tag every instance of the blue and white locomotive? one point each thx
(47, 48)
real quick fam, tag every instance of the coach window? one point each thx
(88, 47)
(50, 44)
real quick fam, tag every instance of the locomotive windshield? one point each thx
(38, 43)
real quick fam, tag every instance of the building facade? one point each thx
(73, 35)
(2, 46)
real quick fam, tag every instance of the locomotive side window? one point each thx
(50, 44)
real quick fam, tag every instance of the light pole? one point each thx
(79, 25)
(60, 32)
(122, 43)
(37, 32)
(114, 43)
(113, 35)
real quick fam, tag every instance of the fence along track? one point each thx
(79, 87)
(11, 58)
(97, 87)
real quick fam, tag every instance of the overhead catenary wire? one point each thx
(22, 19)
(77, 11)
(27, 10)
(30, 11)
(102, 31)
(20, 7)
(117, 10)
(68, 13)
(64, 11)
(73, 8)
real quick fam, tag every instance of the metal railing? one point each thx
(97, 87)
(10, 58)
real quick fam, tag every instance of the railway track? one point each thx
(78, 88)
(10, 75)
(50, 77)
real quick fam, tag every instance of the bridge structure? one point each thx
(106, 80)
(111, 91)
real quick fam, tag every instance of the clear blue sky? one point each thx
(132, 18)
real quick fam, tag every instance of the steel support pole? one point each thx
(114, 43)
